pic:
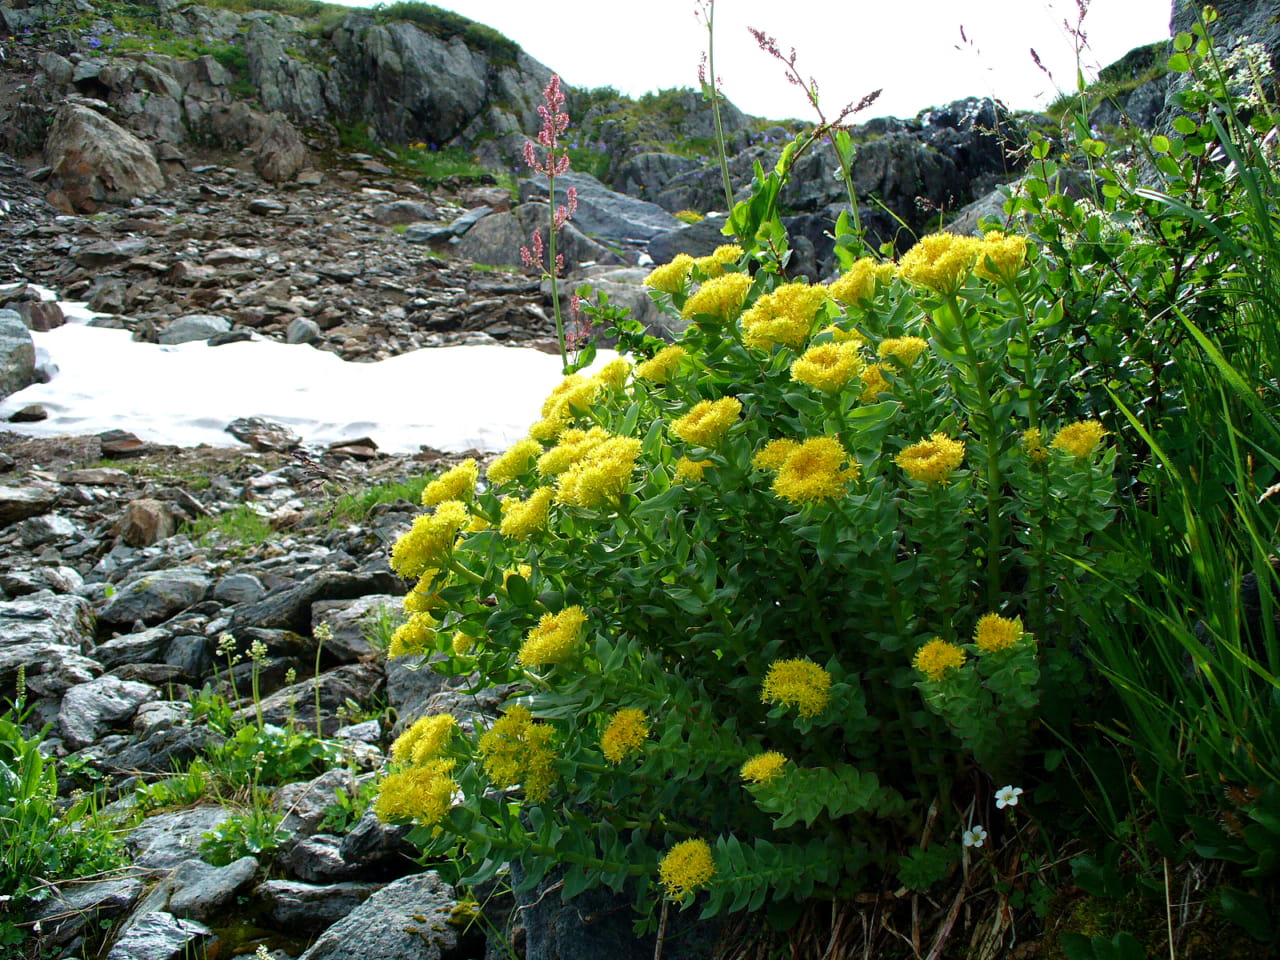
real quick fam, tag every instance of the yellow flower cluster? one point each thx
(932, 460)
(940, 262)
(571, 397)
(573, 445)
(554, 639)
(518, 750)
(626, 733)
(783, 317)
(995, 633)
(936, 657)
(1001, 255)
(462, 643)
(873, 383)
(614, 374)
(425, 740)
(763, 767)
(1033, 445)
(515, 462)
(720, 297)
(721, 257)
(828, 366)
(523, 518)
(817, 469)
(425, 595)
(422, 793)
(687, 866)
(415, 636)
(707, 423)
(860, 282)
(662, 366)
(800, 683)
(671, 277)
(601, 476)
(458, 483)
(429, 540)
(774, 454)
(691, 470)
(905, 350)
(1079, 439)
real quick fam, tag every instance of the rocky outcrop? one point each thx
(96, 161)
(17, 354)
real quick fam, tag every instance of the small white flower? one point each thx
(1007, 797)
(974, 836)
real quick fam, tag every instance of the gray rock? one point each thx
(69, 911)
(38, 531)
(45, 637)
(195, 326)
(161, 715)
(263, 435)
(42, 315)
(304, 804)
(318, 859)
(289, 607)
(145, 646)
(497, 239)
(17, 358)
(302, 330)
(603, 213)
(201, 890)
(647, 174)
(105, 253)
(357, 682)
(159, 936)
(696, 239)
(239, 588)
(191, 654)
(310, 908)
(57, 69)
(404, 211)
(348, 622)
(19, 583)
(96, 161)
(278, 151)
(428, 232)
(156, 595)
(405, 920)
(371, 841)
(162, 842)
(90, 709)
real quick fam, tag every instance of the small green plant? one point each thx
(178, 790)
(689, 216)
(348, 807)
(380, 625)
(42, 840)
(253, 833)
(356, 507)
(241, 524)
(436, 165)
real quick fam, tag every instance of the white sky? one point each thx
(450, 398)
(851, 47)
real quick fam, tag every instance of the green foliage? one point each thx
(241, 524)
(437, 165)
(43, 841)
(302, 9)
(254, 832)
(689, 216)
(356, 507)
(449, 25)
(348, 808)
(747, 606)
(1115, 81)
(179, 790)
(269, 754)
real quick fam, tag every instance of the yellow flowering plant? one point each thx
(730, 586)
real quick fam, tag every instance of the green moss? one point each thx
(241, 524)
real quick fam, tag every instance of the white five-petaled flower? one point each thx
(974, 836)
(1007, 797)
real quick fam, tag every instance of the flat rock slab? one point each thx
(159, 936)
(167, 840)
(19, 503)
(405, 920)
(156, 595)
(90, 710)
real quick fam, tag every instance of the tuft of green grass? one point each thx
(241, 524)
(447, 25)
(355, 507)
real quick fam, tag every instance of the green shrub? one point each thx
(42, 840)
(448, 25)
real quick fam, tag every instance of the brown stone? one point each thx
(146, 522)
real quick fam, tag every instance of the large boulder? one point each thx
(603, 213)
(45, 638)
(17, 354)
(95, 161)
(496, 240)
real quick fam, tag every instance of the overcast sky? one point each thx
(910, 48)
